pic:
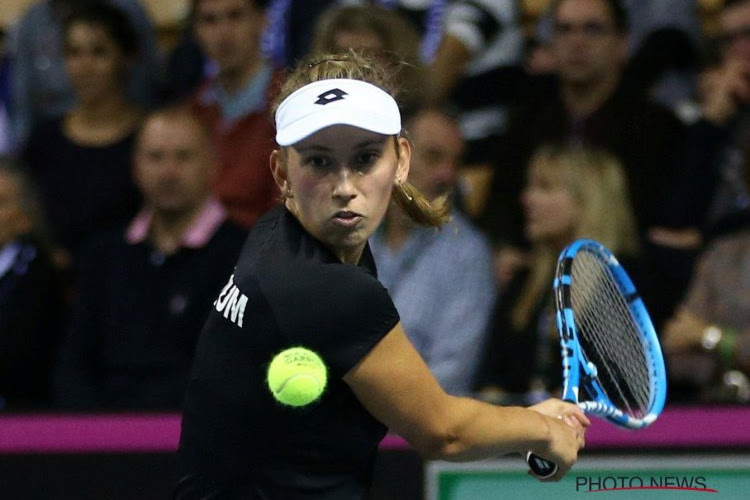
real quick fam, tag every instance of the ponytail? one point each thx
(420, 209)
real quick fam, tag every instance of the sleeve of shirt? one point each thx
(341, 313)
(475, 23)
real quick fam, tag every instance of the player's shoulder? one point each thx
(260, 237)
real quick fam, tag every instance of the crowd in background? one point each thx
(131, 170)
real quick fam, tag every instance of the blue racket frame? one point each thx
(578, 372)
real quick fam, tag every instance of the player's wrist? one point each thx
(545, 435)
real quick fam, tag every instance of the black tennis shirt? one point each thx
(237, 441)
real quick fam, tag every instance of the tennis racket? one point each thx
(612, 361)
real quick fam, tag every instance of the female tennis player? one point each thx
(306, 277)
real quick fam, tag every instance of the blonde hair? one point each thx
(596, 181)
(357, 66)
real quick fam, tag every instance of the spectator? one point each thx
(441, 282)
(291, 28)
(663, 49)
(665, 41)
(570, 193)
(591, 105)
(144, 290)
(716, 151)
(235, 103)
(474, 51)
(42, 89)
(185, 68)
(31, 299)
(373, 29)
(707, 341)
(81, 160)
(476, 68)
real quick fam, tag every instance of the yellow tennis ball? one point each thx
(297, 376)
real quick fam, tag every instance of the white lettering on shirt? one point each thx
(231, 302)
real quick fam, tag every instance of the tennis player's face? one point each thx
(93, 61)
(340, 180)
(550, 209)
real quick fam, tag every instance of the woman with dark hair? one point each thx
(81, 160)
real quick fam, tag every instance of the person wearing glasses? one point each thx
(587, 102)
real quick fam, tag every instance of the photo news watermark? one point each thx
(594, 484)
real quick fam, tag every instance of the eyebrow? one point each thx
(361, 145)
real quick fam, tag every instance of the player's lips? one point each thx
(347, 217)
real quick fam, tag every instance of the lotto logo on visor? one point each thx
(336, 102)
(330, 96)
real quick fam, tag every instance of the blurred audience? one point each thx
(716, 151)
(665, 41)
(476, 67)
(185, 67)
(81, 160)
(590, 104)
(664, 45)
(570, 192)
(79, 75)
(707, 342)
(378, 31)
(472, 51)
(32, 305)
(144, 291)
(235, 102)
(42, 89)
(440, 281)
(290, 30)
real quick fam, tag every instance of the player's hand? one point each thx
(557, 408)
(567, 428)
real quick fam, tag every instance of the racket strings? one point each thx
(609, 335)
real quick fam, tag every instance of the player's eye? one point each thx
(317, 162)
(365, 160)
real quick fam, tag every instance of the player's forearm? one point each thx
(477, 430)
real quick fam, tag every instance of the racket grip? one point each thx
(540, 467)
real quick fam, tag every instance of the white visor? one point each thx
(336, 102)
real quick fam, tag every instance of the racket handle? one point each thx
(540, 467)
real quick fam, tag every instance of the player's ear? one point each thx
(279, 170)
(404, 159)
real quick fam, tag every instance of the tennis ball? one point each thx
(297, 376)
